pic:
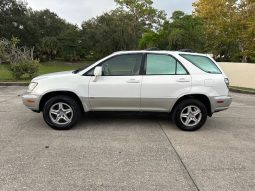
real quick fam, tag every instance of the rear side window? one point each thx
(202, 62)
(157, 64)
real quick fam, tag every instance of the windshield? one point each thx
(202, 62)
(80, 69)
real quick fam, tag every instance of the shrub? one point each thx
(25, 67)
(11, 53)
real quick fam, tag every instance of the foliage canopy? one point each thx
(225, 28)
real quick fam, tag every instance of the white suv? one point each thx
(188, 86)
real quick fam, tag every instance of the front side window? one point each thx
(122, 65)
(202, 62)
(157, 64)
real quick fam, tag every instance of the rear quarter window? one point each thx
(202, 62)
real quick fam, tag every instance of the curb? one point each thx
(14, 83)
(236, 90)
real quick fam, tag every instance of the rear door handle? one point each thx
(133, 81)
(182, 80)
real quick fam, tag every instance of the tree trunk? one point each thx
(244, 59)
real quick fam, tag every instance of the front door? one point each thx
(119, 86)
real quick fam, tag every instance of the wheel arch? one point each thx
(201, 97)
(49, 95)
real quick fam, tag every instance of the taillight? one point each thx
(226, 81)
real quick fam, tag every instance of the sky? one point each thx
(76, 11)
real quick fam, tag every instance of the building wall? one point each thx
(239, 74)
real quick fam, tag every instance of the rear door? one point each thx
(165, 79)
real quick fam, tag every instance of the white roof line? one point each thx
(158, 51)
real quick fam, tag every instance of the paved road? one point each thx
(126, 152)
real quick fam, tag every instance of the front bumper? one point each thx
(31, 101)
(220, 103)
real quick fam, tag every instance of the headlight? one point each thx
(32, 86)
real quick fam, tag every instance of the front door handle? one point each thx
(133, 81)
(182, 80)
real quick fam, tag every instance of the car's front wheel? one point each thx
(61, 112)
(190, 115)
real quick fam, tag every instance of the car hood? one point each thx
(53, 75)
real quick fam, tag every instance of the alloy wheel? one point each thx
(191, 115)
(61, 113)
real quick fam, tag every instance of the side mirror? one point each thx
(98, 71)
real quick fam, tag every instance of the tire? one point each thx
(61, 112)
(185, 116)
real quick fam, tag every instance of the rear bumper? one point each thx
(220, 103)
(31, 101)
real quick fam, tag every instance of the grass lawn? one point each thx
(45, 68)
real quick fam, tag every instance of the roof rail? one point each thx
(152, 48)
(186, 50)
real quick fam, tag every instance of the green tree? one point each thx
(143, 12)
(13, 17)
(108, 33)
(47, 31)
(180, 32)
(177, 15)
(185, 31)
(44, 24)
(48, 23)
(70, 44)
(48, 48)
(148, 40)
(247, 28)
(38, 29)
(229, 27)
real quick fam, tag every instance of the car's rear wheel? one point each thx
(61, 112)
(190, 115)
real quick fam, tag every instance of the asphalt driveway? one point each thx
(126, 152)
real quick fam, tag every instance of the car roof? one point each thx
(158, 52)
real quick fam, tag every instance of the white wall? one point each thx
(240, 74)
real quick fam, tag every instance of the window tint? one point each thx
(180, 69)
(91, 72)
(122, 65)
(160, 64)
(202, 62)
(163, 65)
